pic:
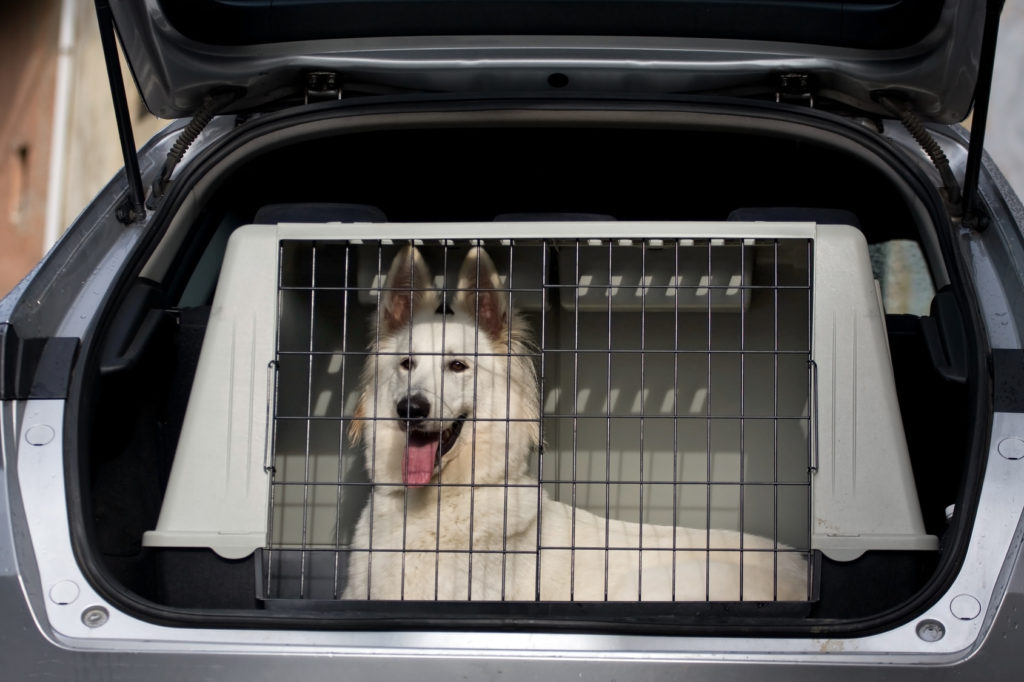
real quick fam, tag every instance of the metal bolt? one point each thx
(1012, 448)
(931, 630)
(95, 616)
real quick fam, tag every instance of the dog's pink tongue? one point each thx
(418, 467)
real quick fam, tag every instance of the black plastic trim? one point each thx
(138, 320)
(945, 337)
(35, 369)
(1008, 380)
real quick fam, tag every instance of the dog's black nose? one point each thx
(415, 408)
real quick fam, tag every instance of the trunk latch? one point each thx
(795, 88)
(322, 86)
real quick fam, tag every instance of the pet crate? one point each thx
(703, 375)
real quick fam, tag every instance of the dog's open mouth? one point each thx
(424, 450)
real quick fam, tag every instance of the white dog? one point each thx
(449, 417)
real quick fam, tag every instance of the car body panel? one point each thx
(174, 73)
(64, 621)
(34, 452)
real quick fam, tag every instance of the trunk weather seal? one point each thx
(547, 617)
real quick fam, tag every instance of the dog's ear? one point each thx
(479, 295)
(407, 289)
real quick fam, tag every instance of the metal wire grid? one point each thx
(740, 335)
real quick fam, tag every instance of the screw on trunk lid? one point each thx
(95, 616)
(931, 630)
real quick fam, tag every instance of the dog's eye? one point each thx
(406, 363)
(457, 366)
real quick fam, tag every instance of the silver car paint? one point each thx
(174, 73)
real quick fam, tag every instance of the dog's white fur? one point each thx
(472, 531)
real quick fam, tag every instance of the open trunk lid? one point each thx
(926, 54)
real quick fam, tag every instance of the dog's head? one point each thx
(450, 393)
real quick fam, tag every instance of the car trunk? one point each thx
(524, 164)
